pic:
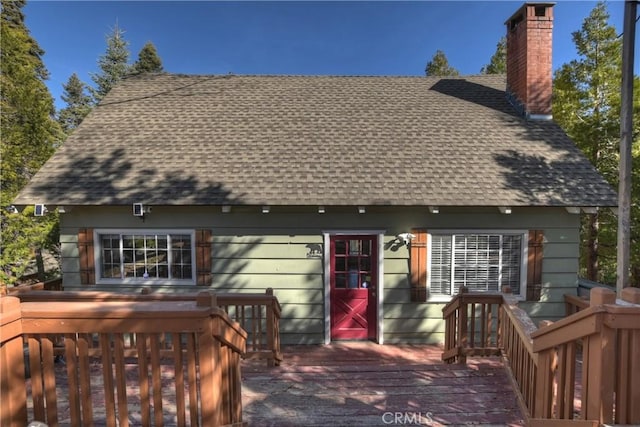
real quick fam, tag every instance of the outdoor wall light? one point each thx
(321, 209)
(39, 210)
(140, 210)
(405, 238)
(361, 209)
(505, 210)
(434, 209)
(226, 209)
(266, 209)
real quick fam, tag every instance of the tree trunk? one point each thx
(40, 265)
(593, 226)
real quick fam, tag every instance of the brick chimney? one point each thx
(529, 68)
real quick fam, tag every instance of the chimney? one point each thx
(529, 67)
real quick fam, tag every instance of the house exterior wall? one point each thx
(252, 251)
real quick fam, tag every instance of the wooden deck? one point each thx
(362, 383)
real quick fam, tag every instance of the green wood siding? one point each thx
(253, 251)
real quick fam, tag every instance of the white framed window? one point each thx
(483, 261)
(145, 256)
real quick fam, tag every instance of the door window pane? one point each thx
(353, 278)
(352, 263)
(354, 247)
(366, 247)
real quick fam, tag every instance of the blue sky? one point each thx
(304, 37)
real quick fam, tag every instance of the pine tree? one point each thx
(78, 104)
(29, 133)
(587, 106)
(113, 64)
(498, 62)
(148, 60)
(439, 66)
(29, 137)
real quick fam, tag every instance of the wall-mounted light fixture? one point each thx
(434, 209)
(266, 209)
(405, 238)
(40, 210)
(506, 210)
(321, 209)
(140, 210)
(362, 209)
(226, 208)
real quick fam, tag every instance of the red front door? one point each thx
(354, 262)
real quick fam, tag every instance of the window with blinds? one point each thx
(481, 262)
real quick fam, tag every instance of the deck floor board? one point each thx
(365, 384)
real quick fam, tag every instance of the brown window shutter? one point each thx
(203, 257)
(419, 266)
(87, 258)
(534, 265)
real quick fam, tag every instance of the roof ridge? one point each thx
(459, 77)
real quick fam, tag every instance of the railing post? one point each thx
(270, 329)
(463, 328)
(207, 299)
(601, 296)
(628, 371)
(631, 295)
(209, 360)
(13, 404)
(598, 360)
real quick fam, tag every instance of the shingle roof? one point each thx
(315, 140)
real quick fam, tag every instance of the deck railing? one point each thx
(472, 326)
(258, 314)
(200, 377)
(544, 361)
(610, 337)
(517, 346)
(47, 285)
(575, 303)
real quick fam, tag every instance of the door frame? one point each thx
(327, 280)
